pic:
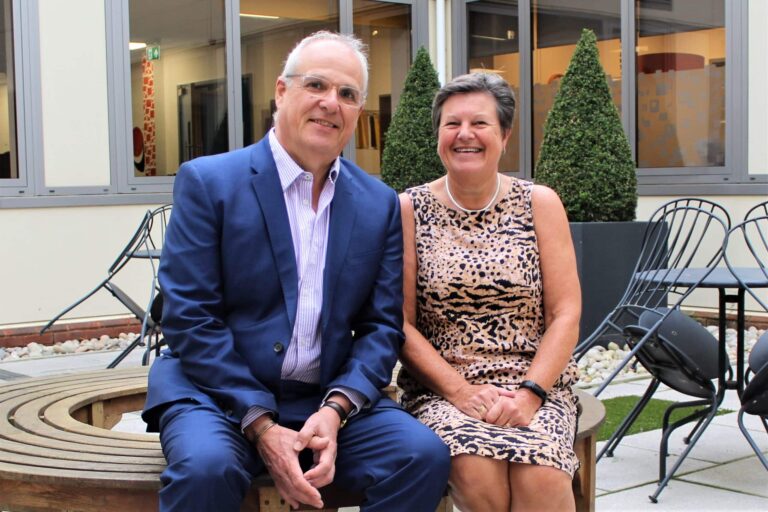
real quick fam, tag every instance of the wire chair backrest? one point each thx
(681, 234)
(759, 210)
(136, 243)
(748, 242)
(160, 217)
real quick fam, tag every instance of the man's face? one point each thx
(312, 128)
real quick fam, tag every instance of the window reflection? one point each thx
(681, 83)
(8, 167)
(386, 29)
(268, 31)
(493, 45)
(178, 83)
(557, 26)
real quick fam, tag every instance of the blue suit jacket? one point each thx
(229, 279)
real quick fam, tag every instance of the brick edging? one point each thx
(22, 336)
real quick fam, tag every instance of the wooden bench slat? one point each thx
(78, 464)
(128, 397)
(39, 451)
(74, 477)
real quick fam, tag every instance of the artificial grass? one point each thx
(650, 419)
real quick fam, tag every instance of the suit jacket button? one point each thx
(229, 412)
(278, 347)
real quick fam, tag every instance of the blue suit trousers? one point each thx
(385, 454)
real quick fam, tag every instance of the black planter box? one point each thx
(606, 254)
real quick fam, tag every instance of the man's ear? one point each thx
(280, 89)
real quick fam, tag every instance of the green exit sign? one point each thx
(153, 52)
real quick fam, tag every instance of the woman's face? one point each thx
(469, 136)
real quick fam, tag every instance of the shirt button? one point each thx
(278, 347)
(307, 177)
(305, 202)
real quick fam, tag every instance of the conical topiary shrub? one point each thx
(585, 155)
(410, 155)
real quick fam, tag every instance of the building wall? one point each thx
(51, 256)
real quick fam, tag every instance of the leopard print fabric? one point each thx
(479, 301)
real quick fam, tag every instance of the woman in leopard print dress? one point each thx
(492, 300)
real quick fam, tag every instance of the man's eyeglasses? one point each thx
(320, 87)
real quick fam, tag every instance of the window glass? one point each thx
(557, 26)
(386, 29)
(268, 31)
(493, 45)
(178, 83)
(8, 167)
(680, 83)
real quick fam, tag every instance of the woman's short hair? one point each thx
(490, 83)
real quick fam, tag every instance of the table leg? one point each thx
(723, 357)
(740, 342)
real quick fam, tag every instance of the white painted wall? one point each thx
(758, 85)
(49, 257)
(73, 80)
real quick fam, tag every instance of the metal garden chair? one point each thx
(748, 244)
(145, 243)
(682, 234)
(683, 355)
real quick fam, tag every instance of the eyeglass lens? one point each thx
(319, 86)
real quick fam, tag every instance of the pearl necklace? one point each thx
(467, 210)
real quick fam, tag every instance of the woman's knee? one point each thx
(536, 487)
(479, 483)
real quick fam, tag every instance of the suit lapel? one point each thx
(343, 213)
(269, 192)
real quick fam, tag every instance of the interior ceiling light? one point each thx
(487, 70)
(136, 45)
(259, 16)
(490, 38)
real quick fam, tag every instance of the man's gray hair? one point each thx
(353, 43)
(490, 83)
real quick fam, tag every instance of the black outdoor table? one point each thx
(723, 279)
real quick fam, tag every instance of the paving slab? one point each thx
(746, 475)
(680, 495)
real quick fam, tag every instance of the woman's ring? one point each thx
(481, 410)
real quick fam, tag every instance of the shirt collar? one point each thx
(287, 168)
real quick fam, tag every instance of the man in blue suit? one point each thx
(281, 273)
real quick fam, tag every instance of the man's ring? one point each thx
(481, 410)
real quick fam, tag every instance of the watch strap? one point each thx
(343, 415)
(535, 389)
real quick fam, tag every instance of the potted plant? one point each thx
(410, 155)
(586, 158)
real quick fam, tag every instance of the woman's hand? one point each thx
(513, 409)
(475, 400)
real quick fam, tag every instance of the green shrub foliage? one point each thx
(585, 155)
(410, 154)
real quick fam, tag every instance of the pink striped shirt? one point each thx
(309, 232)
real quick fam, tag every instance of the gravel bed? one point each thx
(593, 367)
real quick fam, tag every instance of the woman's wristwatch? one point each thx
(535, 389)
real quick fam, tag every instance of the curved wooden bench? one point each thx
(57, 452)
